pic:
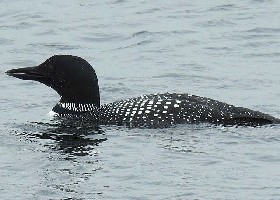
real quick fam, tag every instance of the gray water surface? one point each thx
(225, 50)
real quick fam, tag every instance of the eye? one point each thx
(50, 67)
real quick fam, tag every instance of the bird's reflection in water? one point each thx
(68, 136)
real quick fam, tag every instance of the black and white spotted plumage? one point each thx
(74, 79)
(162, 110)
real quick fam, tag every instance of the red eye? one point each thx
(50, 67)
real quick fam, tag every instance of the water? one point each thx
(226, 50)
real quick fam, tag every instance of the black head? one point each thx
(72, 77)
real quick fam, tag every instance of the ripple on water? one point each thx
(56, 46)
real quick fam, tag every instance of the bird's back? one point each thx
(159, 110)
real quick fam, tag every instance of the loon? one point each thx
(75, 80)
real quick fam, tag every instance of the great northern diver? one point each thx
(74, 79)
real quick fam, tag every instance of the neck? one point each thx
(83, 96)
(74, 108)
(82, 99)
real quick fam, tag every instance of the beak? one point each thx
(27, 73)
